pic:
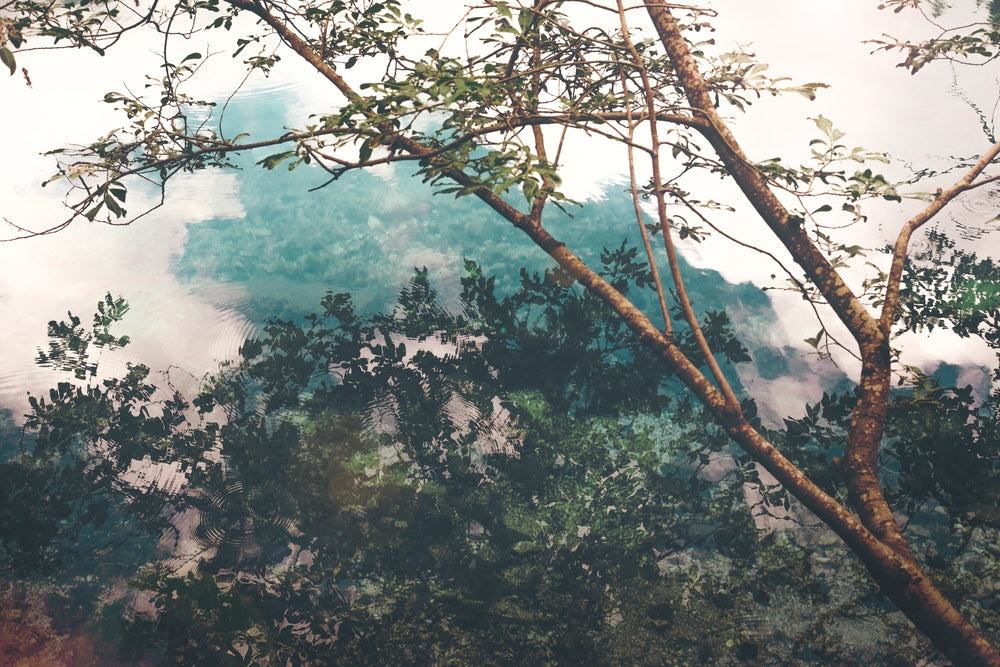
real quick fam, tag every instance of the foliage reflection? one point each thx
(514, 483)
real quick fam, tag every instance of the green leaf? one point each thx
(807, 90)
(113, 206)
(92, 213)
(365, 152)
(814, 342)
(472, 268)
(191, 56)
(7, 58)
(824, 124)
(52, 179)
(524, 20)
(272, 161)
(854, 250)
(530, 186)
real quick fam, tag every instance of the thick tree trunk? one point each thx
(889, 560)
(899, 575)
(895, 570)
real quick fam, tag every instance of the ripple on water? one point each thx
(975, 216)
(490, 424)
(295, 93)
(245, 523)
(234, 326)
(458, 414)
(379, 415)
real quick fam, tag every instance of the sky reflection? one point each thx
(204, 321)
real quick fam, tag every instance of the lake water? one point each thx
(471, 463)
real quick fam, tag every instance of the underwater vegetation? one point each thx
(511, 481)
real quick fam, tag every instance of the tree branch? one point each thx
(785, 227)
(890, 303)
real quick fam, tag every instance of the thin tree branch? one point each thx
(891, 300)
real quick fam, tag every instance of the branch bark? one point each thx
(873, 533)
(893, 565)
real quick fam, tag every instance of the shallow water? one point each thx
(497, 491)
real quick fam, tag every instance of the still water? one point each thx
(429, 444)
(372, 426)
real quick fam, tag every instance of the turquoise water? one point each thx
(428, 451)
(367, 232)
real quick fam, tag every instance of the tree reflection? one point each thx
(511, 483)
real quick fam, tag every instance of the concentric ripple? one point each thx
(247, 524)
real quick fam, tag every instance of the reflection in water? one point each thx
(978, 219)
(498, 483)
(244, 526)
(490, 473)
